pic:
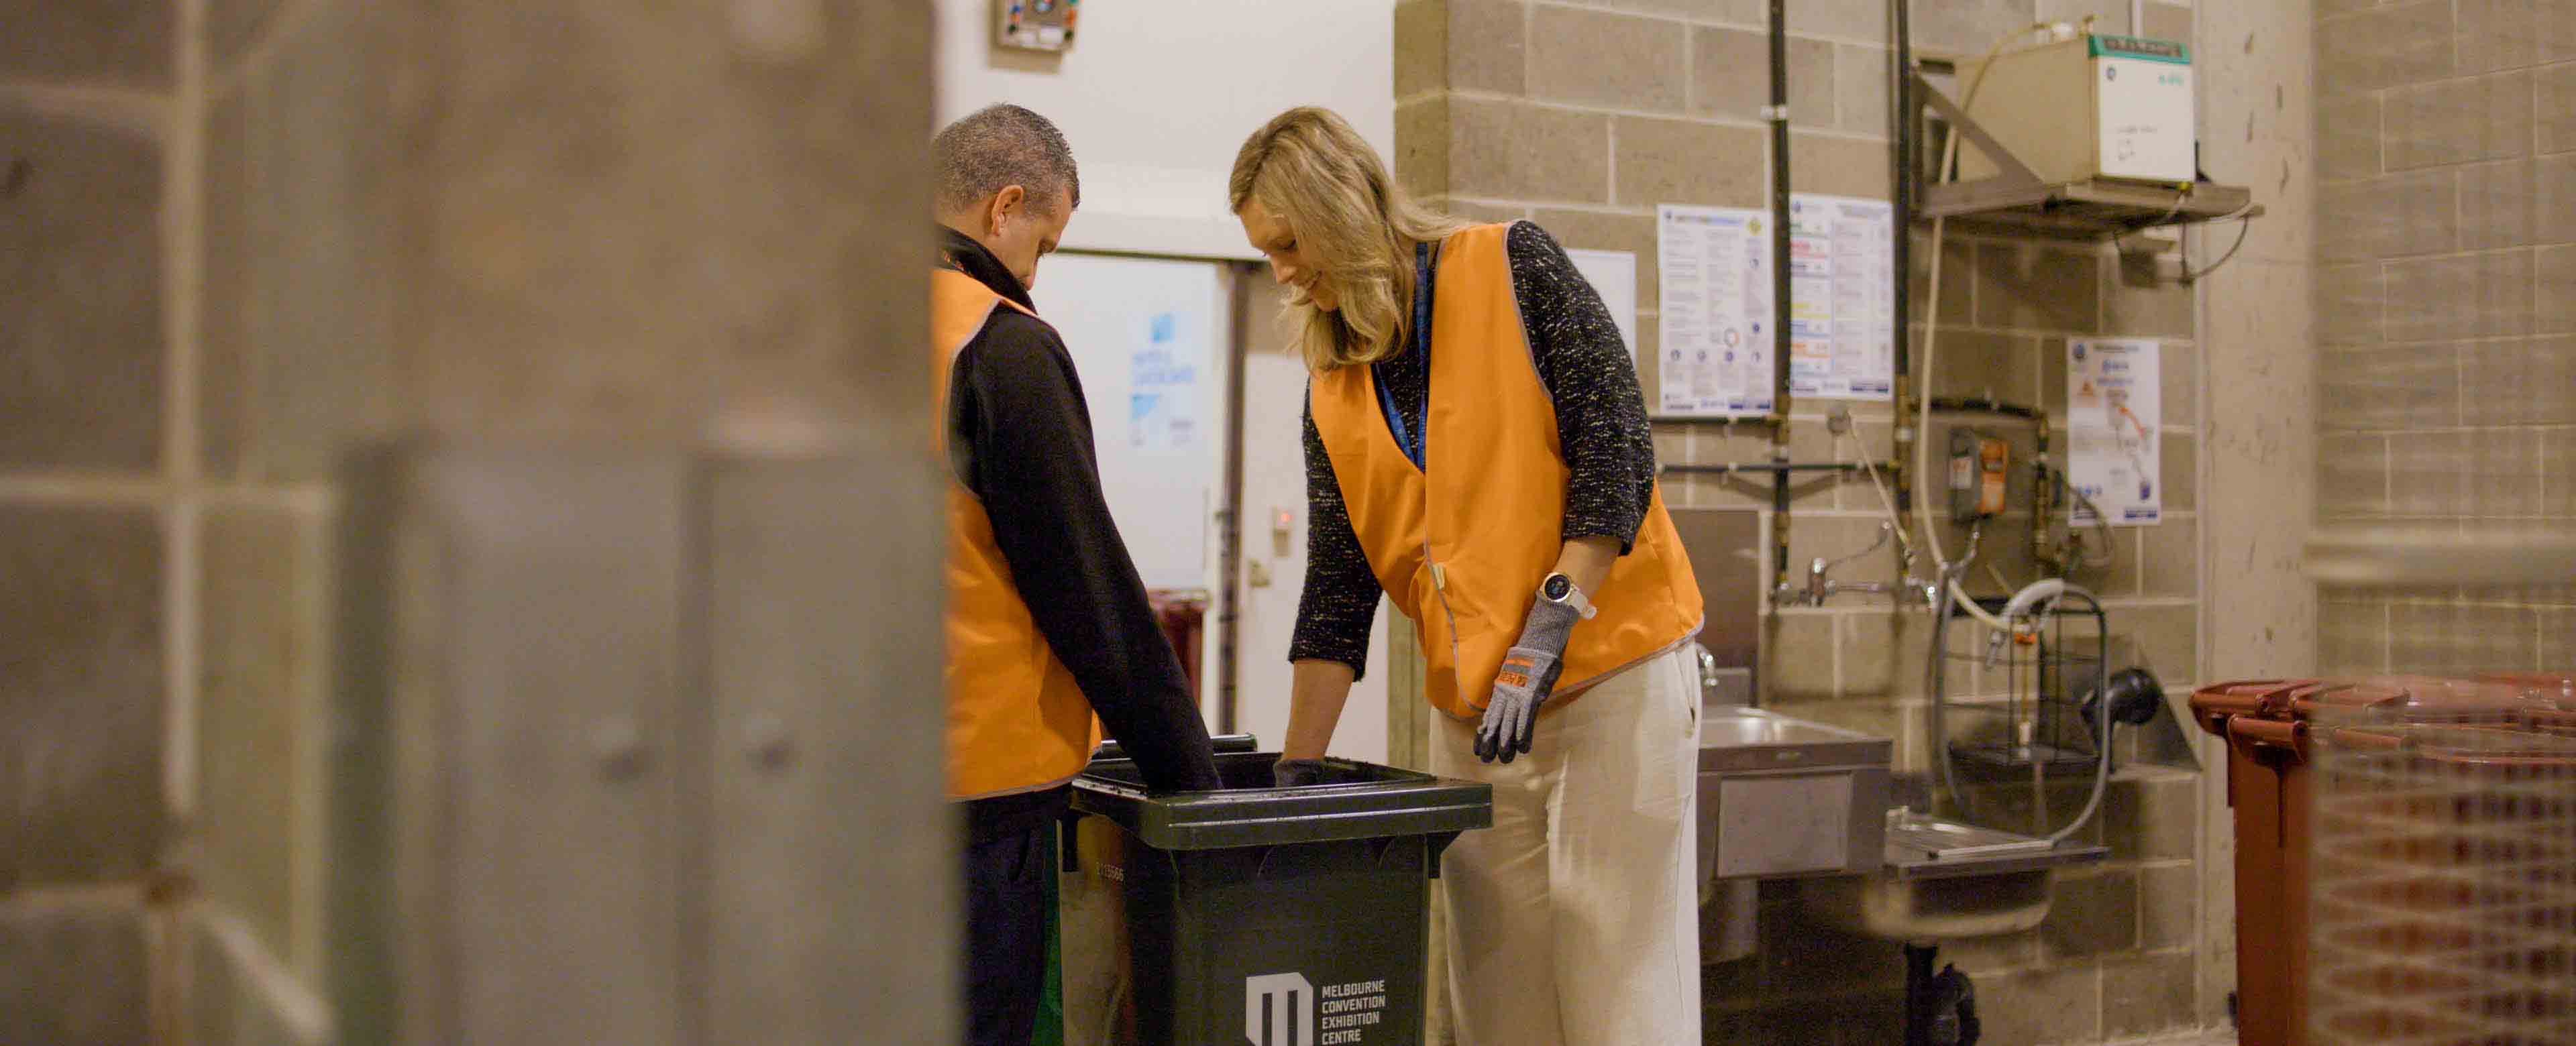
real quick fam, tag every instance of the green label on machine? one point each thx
(2140, 47)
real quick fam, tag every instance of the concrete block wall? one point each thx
(95, 561)
(1583, 116)
(241, 239)
(2446, 168)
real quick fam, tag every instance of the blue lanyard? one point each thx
(1412, 439)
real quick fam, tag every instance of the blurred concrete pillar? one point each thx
(467, 526)
(657, 590)
(2259, 452)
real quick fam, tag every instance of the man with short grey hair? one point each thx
(1005, 178)
(1047, 621)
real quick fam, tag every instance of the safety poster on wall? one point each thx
(1842, 301)
(2113, 415)
(1715, 311)
(1163, 393)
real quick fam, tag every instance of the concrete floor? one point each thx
(2222, 1037)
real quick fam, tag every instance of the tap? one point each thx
(1821, 587)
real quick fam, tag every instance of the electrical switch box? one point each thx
(2084, 108)
(1980, 471)
(1038, 25)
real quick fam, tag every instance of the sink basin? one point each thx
(1946, 880)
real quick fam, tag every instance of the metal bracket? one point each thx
(2016, 174)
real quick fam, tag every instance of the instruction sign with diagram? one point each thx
(2113, 418)
(1842, 301)
(1715, 311)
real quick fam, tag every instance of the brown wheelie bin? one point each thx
(2442, 884)
(2272, 728)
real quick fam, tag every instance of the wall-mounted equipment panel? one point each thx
(1037, 25)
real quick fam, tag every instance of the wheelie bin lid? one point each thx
(2379, 700)
(2417, 699)
(2493, 748)
(2553, 688)
(2283, 699)
(1355, 800)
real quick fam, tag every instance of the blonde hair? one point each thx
(1317, 174)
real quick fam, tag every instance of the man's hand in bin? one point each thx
(1296, 773)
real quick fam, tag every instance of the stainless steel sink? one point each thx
(1946, 880)
(1783, 797)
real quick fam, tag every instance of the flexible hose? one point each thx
(2043, 596)
(1896, 520)
(1936, 676)
(1949, 591)
(1932, 330)
(1935, 682)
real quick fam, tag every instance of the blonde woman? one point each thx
(1477, 450)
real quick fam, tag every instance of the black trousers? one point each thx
(1005, 935)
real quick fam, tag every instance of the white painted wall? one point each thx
(1117, 314)
(1274, 480)
(1156, 96)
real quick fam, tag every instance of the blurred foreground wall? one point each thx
(467, 535)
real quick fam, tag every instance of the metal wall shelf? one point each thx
(2017, 201)
(2082, 210)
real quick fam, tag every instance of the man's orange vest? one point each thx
(1017, 721)
(1461, 546)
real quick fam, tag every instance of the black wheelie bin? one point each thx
(1254, 915)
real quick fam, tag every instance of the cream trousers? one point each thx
(1573, 921)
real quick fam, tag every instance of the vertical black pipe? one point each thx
(1905, 162)
(1229, 607)
(1779, 113)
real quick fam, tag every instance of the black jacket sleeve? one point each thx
(1339, 602)
(1600, 409)
(1030, 460)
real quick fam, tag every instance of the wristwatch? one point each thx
(1559, 589)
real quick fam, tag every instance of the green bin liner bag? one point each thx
(1050, 1030)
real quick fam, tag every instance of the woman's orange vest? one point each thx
(1017, 721)
(1461, 545)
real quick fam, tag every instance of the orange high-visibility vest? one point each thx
(1461, 545)
(1017, 721)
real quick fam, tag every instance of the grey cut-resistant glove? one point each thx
(1528, 676)
(1296, 773)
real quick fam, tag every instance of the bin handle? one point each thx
(1224, 744)
(2270, 733)
(2365, 740)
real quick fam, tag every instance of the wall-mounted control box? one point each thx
(1980, 466)
(1037, 25)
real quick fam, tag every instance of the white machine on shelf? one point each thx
(2089, 107)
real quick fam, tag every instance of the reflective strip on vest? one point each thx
(1461, 545)
(1017, 721)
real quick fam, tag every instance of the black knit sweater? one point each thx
(1600, 417)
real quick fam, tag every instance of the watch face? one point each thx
(1557, 587)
